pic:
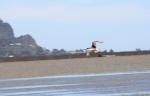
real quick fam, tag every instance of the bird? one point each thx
(93, 48)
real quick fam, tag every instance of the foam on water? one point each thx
(64, 88)
(79, 75)
(55, 93)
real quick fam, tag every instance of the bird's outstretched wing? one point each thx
(98, 41)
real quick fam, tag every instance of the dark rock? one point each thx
(26, 40)
(6, 33)
(17, 46)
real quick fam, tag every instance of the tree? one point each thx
(138, 50)
(105, 52)
(62, 51)
(55, 51)
(79, 51)
(111, 51)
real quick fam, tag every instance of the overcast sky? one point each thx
(73, 24)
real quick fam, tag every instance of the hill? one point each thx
(11, 46)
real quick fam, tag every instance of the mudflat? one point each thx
(106, 64)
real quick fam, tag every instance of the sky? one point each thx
(73, 24)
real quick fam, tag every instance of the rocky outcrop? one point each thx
(6, 34)
(26, 40)
(17, 46)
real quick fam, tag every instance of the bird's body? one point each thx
(93, 48)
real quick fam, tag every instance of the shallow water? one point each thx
(110, 84)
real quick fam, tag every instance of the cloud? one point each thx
(61, 12)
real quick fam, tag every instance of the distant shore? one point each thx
(71, 56)
(106, 64)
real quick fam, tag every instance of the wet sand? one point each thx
(74, 66)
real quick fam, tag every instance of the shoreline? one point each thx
(95, 65)
(72, 56)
